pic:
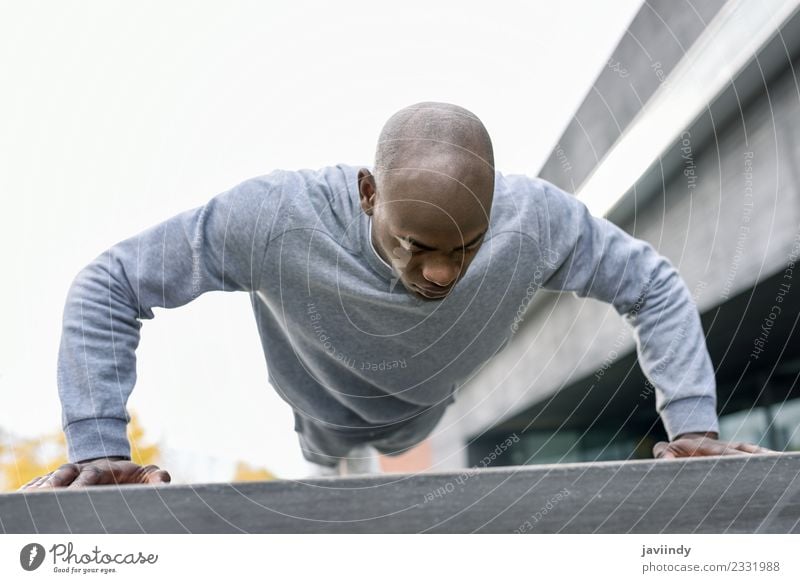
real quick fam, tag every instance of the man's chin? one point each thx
(419, 293)
(429, 299)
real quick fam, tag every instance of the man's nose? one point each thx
(441, 273)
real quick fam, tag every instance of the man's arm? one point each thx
(595, 258)
(219, 246)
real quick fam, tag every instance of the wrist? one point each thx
(97, 437)
(690, 415)
(111, 458)
(694, 434)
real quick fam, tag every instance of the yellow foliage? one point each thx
(247, 473)
(140, 453)
(21, 460)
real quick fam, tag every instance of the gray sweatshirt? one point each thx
(346, 345)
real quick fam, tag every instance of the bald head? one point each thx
(430, 197)
(429, 133)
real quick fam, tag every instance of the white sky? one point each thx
(115, 116)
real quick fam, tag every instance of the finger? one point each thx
(704, 447)
(40, 481)
(33, 483)
(152, 474)
(709, 448)
(89, 476)
(741, 448)
(752, 448)
(61, 477)
(661, 450)
(158, 477)
(745, 447)
(733, 448)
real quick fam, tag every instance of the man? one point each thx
(376, 294)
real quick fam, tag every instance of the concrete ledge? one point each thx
(736, 494)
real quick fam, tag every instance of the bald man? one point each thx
(377, 294)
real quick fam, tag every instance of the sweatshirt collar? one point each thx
(370, 253)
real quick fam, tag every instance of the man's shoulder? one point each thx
(535, 195)
(517, 183)
(333, 175)
(520, 193)
(335, 184)
(331, 172)
(324, 197)
(537, 207)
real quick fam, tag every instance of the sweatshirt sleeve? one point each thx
(218, 246)
(594, 258)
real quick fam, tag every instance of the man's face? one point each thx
(428, 225)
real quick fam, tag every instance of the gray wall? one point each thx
(654, 42)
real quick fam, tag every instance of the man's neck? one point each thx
(375, 246)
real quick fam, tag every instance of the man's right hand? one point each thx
(98, 472)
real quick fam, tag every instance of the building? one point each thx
(689, 139)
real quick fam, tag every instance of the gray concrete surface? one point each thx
(735, 494)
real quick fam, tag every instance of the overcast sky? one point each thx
(116, 116)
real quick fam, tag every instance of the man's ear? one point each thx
(367, 190)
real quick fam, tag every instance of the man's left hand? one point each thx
(703, 444)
